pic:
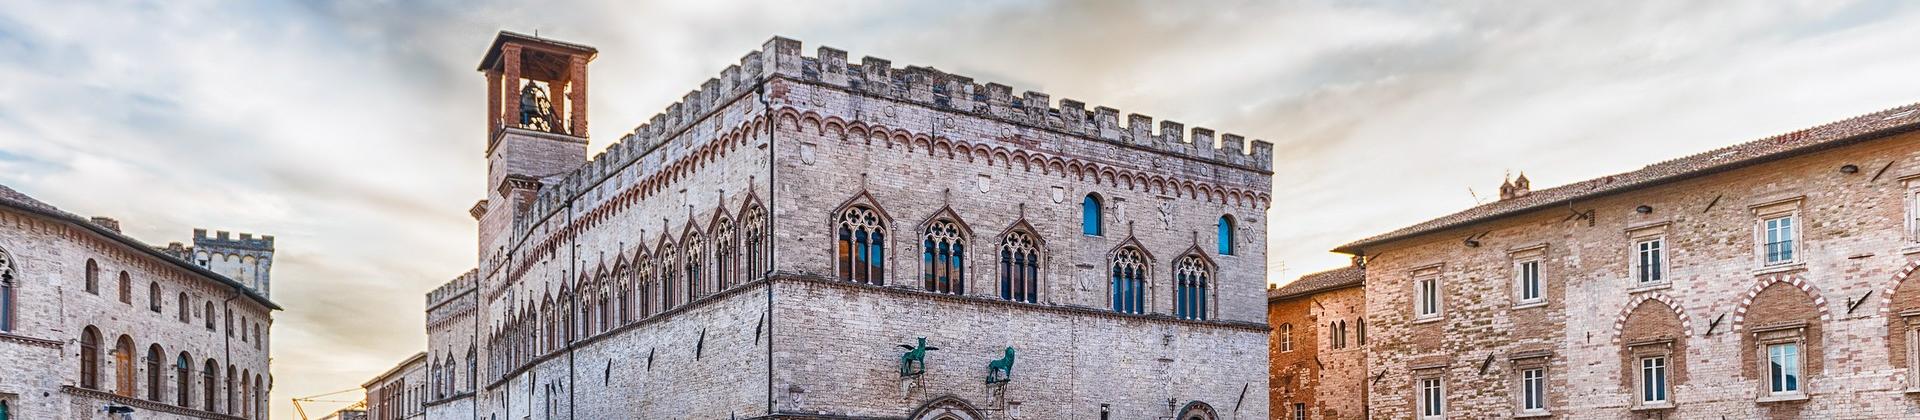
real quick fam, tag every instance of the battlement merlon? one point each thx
(936, 89)
(224, 239)
(456, 287)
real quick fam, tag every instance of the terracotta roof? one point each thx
(493, 51)
(1339, 278)
(1823, 137)
(15, 199)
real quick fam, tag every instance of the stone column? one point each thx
(577, 94)
(510, 62)
(494, 100)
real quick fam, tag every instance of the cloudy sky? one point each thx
(352, 130)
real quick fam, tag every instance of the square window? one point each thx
(1433, 398)
(1777, 246)
(1528, 282)
(1650, 261)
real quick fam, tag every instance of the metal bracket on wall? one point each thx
(1710, 204)
(1882, 171)
(1715, 324)
(1485, 364)
(1855, 304)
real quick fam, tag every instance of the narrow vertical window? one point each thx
(726, 255)
(1427, 296)
(1913, 213)
(1090, 218)
(126, 288)
(1225, 235)
(643, 268)
(153, 297)
(155, 362)
(1533, 390)
(186, 309)
(1299, 411)
(1019, 267)
(7, 293)
(124, 379)
(183, 380)
(943, 258)
(669, 269)
(93, 277)
(1653, 379)
(1286, 338)
(1360, 330)
(1191, 279)
(862, 254)
(1432, 399)
(1779, 240)
(1128, 286)
(696, 266)
(208, 315)
(90, 358)
(754, 239)
(1783, 368)
(1528, 273)
(1650, 261)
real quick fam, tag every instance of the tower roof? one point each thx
(493, 51)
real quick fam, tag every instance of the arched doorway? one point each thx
(1197, 411)
(947, 408)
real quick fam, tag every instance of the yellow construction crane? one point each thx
(315, 398)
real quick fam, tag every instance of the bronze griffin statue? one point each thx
(914, 362)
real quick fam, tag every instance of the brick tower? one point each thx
(536, 124)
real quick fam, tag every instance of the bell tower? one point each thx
(536, 124)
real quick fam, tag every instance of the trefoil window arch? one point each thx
(1127, 287)
(943, 258)
(861, 245)
(1020, 267)
(1192, 278)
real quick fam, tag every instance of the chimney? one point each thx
(107, 222)
(1515, 188)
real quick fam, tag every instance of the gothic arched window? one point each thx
(1190, 284)
(229, 388)
(1091, 220)
(473, 368)
(7, 293)
(93, 277)
(669, 274)
(695, 265)
(186, 309)
(209, 315)
(647, 285)
(1020, 267)
(862, 246)
(754, 239)
(1129, 281)
(1225, 234)
(183, 380)
(623, 295)
(726, 255)
(156, 360)
(90, 358)
(943, 258)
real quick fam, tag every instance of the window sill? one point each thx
(1533, 415)
(1530, 305)
(1797, 396)
(1912, 390)
(1910, 249)
(1779, 268)
(1648, 287)
(1427, 319)
(1653, 407)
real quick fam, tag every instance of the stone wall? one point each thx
(54, 308)
(1854, 241)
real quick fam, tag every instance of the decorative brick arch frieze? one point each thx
(1077, 169)
(1886, 297)
(947, 407)
(1819, 299)
(1620, 322)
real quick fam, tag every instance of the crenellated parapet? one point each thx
(933, 88)
(454, 288)
(877, 77)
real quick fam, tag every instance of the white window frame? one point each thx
(1912, 200)
(1428, 301)
(1657, 245)
(1299, 411)
(1430, 392)
(1663, 365)
(1533, 387)
(1286, 337)
(1520, 279)
(1788, 352)
(1790, 222)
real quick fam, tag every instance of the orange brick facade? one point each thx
(1318, 368)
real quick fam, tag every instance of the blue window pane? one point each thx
(1090, 215)
(1226, 235)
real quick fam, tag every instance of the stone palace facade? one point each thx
(94, 323)
(1769, 279)
(774, 244)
